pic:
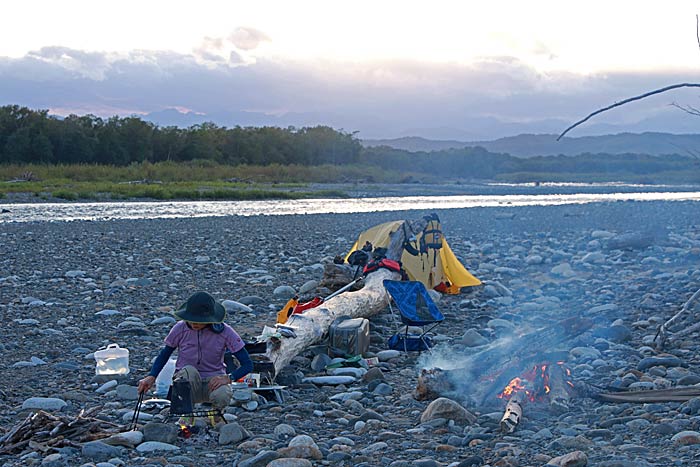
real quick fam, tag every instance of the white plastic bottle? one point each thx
(165, 378)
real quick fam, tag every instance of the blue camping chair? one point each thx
(416, 309)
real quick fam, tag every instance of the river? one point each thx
(57, 212)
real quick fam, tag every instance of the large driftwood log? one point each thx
(311, 326)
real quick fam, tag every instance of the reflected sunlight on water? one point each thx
(155, 210)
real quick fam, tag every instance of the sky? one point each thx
(460, 70)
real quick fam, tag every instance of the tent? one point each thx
(437, 269)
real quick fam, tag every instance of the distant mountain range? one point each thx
(529, 145)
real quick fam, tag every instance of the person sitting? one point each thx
(202, 338)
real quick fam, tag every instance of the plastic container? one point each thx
(165, 378)
(349, 337)
(113, 360)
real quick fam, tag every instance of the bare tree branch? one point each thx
(688, 108)
(626, 101)
(697, 29)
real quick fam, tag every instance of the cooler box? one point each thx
(348, 337)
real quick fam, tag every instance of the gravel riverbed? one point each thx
(69, 288)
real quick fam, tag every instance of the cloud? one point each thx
(247, 38)
(493, 97)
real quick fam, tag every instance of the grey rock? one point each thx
(290, 462)
(99, 451)
(233, 307)
(153, 446)
(320, 362)
(161, 432)
(126, 392)
(261, 459)
(472, 338)
(284, 292)
(44, 403)
(232, 433)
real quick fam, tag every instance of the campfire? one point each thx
(544, 382)
(516, 371)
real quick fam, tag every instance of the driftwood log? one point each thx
(681, 394)
(558, 388)
(311, 325)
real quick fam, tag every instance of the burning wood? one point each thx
(513, 412)
(559, 386)
(432, 383)
(42, 431)
(488, 372)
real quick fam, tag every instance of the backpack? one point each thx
(432, 234)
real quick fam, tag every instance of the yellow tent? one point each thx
(439, 269)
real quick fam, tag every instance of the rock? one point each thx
(383, 389)
(290, 462)
(666, 361)
(261, 459)
(153, 446)
(308, 286)
(284, 431)
(128, 439)
(329, 380)
(301, 452)
(373, 374)
(161, 432)
(232, 433)
(284, 292)
(127, 392)
(44, 403)
(164, 320)
(472, 338)
(356, 373)
(686, 437)
(572, 459)
(386, 355)
(233, 307)
(563, 270)
(99, 451)
(106, 387)
(320, 362)
(448, 409)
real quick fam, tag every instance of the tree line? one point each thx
(34, 136)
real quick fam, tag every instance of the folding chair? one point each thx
(416, 309)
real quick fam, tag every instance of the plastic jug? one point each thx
(165, 378)
(113, 360)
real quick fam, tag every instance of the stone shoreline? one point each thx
(68, 288)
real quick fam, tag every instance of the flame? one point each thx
(533, 383)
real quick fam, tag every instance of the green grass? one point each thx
(168, 181)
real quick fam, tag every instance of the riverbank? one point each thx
(68, 288)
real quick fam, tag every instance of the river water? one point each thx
(43, 212)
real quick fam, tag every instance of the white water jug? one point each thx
(113, 360)
(165, 378)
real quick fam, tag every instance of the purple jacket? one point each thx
(203, 349)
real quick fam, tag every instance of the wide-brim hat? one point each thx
(201, 308)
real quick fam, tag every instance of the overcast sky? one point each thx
(440, 69)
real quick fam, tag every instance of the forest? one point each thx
(34, 137)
